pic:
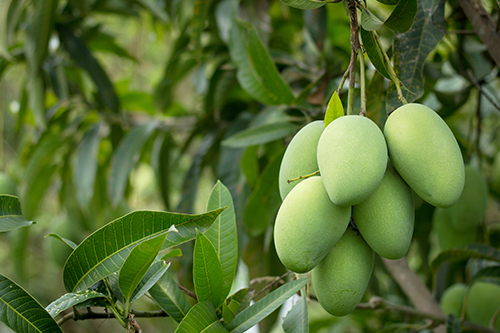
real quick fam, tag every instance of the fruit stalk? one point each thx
(303, 177)
(363, 81)
(353, 17)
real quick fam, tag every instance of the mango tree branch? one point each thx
(353, 17)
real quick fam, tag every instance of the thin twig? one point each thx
(363, 81)
(303, 177)
(353, 18)
(476, 84)
(276, 280)
(187, 291)
(109, 315)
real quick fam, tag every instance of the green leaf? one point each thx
(374, 95)
(138, 101)
(488, 272)
(223, 234)
(198, 21)
(71, 299)
(11, 216)
(104, 251)
(401, 18)
(21, 312)
(296, 320)
(250, 165)
(264, 307)
(207, 272)
(173, 253)
(334, 109)
(201, 318)
(375, 54)
(369, 21)
(4, 45)
(257, 74)
(138, 262)
(260, 134)
(412, 48)
(125, 158)
(170, 298)
(86, 165)
(36, 98)
(66, 241)
(104, 42)
(154, 273)
(229, 310)
(155, 9)
(478, 251)
(303, 4)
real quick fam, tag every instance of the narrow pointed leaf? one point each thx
(21, 312)
(198, 20)
(201, 318)
(303, 4)
(264, 307)
(11, 216)
(86, 165)
(401, 18)
(375, 54)
(71, 299)
(137, 264)
(223, 234)
(66, 241)
(170, 298)
(369, 21)
(334, 109)
(296, 320)
(154, 273)
(488, 272)
(207, 272)
(125, 158)
(173, 253)
(104, 251)
(478, 251)
(260, 134)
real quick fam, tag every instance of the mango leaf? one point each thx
(374, 96)
(375, 54)
(66, 241)
(11, 216)
(296, 320)
(154, 273)
(36, 98)
(71, 299)
(173, 253)
(250, 165)
(125, 158)
(229, 310)
(86, 165)
(369, 21)
(223, 234)
(334, 109)
(201, 318)
(488, 272)
(260, 134)
(478, 251)
(261, 309)
(4, 45)
(198, 21)
(303, 4)
(411, 48)
(170, 298)
(401, 18)
(138, 262)
(155, 9)
(257, 73)
(104, 251)
(21, 312)
(207, 272)
(104, 42)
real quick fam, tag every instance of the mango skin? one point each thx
(308, 225)
(448, 237)
(452, 300)
(341, 279)
(482, 303)
(300, 156)
(469, 210)
(387, 217)
(352, 158)
(425, 153)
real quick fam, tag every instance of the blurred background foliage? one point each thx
(107, 106)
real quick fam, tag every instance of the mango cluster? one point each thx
(362, 203)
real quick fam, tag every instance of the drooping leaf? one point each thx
(478, 251)
(488, 272)
(86, 165)
(125, 158)
(334, 109)
(401, 18)
(223, 234)
(154, 273)
(372, 48)
(369, 21)
(104, 42)
(71, 299)
(260, 134)
(170, 298)
(21, 312)
(138, 262)
(104, 251)
(66, 241)
(374, 97)
(11, 216)
(411, 48)
(207, 272)
(303, 4)
(201, 318)
(261, 309)
(257, 73)
(296, 320)
(173, 253)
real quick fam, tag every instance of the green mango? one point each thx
(452, 300)
(7, 184)
(482, 303)
(341, 279)
(308, 225)
(387, 217)
(470, 208)
(300, 156)
(448, 237)
(425, 153)
(352, 158)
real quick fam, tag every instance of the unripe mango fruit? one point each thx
(352, 158)
(341, 279)
(452, 300)
(300, 156)
(308, 225)
(482, 303)
(387, 217)
(425, 154)
(448, 237)
(470, 208)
